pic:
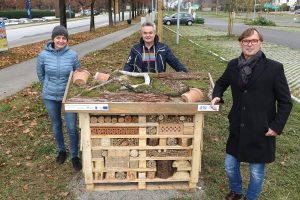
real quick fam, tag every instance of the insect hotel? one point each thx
(139, 130)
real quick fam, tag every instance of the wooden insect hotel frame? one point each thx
(140, 145)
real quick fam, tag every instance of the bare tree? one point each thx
(92, 23)
(62, 13)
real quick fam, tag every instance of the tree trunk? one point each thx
(110, 20)
(123, 9)
(92, 23)
(62, 13)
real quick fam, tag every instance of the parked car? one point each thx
(88, 12)
(3, 19)
(184, 18)
(297, 11)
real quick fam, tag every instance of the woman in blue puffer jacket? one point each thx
(54, 65)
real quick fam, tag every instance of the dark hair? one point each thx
(248, 32)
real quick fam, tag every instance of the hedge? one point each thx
(16, 14)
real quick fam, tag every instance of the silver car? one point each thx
(184, 18)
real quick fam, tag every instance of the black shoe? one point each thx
(76, 164)
(60, 159)
(233, 196)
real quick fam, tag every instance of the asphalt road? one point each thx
(18, 35)
(285, 38)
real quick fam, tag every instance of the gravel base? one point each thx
(79, 192)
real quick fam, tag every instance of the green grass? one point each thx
(27, 155)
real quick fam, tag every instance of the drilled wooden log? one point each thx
(121, 120)
(152, 141)
(160, 117)
(135, 119)
(100, 119)
(151, 175)
(131, 175)
(94, 119)
(152, 130)
(121, 175)
(185, 142)
(171, 141)
(114, 120)
(107, 119)
(128, 119)
(151, 164)
(164, 168)
(134, 153)
(182, 118)
(104, 153)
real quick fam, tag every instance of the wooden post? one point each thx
(160, 20)
(87, 153)
(196, 161)
(142, 143)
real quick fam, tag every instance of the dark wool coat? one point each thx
(163, 55)
(264, 103)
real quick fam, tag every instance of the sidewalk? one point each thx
(17, 77)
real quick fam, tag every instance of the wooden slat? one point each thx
(141, 136)
(162, 158)
(124, 169)
(168, 186)
(86, 143)
(145, 108)
(140, 180)
(141, 147)
(124, 124)
(196, 161)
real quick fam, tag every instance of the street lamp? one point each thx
(177, 29)
(254, 10)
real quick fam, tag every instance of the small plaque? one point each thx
(86, 107)
(207, 108)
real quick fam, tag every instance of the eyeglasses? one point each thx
(247, 42)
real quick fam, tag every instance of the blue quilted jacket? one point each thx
(163, 55)
(53, 70)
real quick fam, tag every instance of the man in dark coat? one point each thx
(150, 55)
(261, 106)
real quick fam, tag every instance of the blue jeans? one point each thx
(54, 110)
(257, 172)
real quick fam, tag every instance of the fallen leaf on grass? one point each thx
(20, 123)
(25, 188)
(33, 123)
(27, 130)
(64, 194)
